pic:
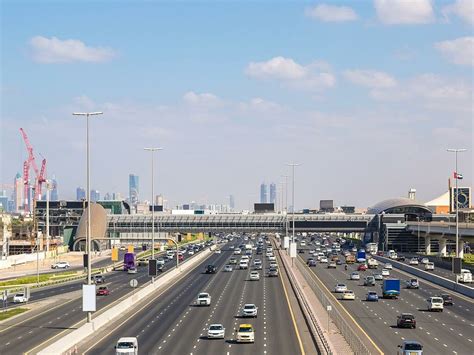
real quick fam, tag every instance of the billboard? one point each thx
(463, 198)
(264, 207)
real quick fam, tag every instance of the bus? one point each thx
(129, 261)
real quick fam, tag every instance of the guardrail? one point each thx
(338, 314)
(438, 280)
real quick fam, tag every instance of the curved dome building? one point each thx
(401, 205)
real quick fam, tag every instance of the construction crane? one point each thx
(40, 174)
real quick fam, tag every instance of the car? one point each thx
(332, 265)
(232, 261)
(160, 261)
(372, 296)
(410, 347)
(348, 295)
(425, 261)
(249, 310)
(216, 331)
(228, 268)
(273, 272)
(160, 267)
(211, 269)
(311, 262)
(338, 262)
(323, 260)
(413, 261)
(237, 252)
(180, 257)
(435, 303)
(254, 275)
(191, 252)
(362, 267)
(231, 247)
(103, 291)
(388, 266)
(378, 277)
(413, 283)
(243, 264)
(127, 345)
(272, 258)
(20, 298)
(122, 247)
(99, 279)
(301, 251)
(340, 288)
(273, 264)
(218, 251)
(355, 276)
(385, 272)
(245, 334)
(203, 299)
(268, 253)
(447, 299)
(61, 265)
(429, 266)
(132, 270)
(369, 281)
(406, 320)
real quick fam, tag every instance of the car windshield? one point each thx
(20, 294)
(203, 295)
(102, 288)
(125, 345)
(249, 306)
(437, 300)
(407, 316)
(245, 330)
(372, 293)
(215, 327)
(413, 346)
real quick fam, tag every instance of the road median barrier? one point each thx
(70, 342)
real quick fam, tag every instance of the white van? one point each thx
(127, 345)
(435, 304)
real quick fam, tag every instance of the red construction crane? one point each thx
(40, 175)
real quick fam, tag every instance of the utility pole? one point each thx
(293, 165)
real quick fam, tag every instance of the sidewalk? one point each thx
(336, 342)
(74, 258)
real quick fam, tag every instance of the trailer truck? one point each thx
(391, 288)
(361, 256)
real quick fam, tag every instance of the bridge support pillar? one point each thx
(427, 244)
(442, 247)
(461, 248)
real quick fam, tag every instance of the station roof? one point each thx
(399, 202)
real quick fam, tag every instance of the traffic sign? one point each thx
(133, 283)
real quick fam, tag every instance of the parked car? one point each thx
(406, 320)
(61, 265)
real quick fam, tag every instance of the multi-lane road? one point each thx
(172, 324)
(447, 332)
(28, 335)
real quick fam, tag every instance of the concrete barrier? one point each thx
(70, 341)
(438, 280)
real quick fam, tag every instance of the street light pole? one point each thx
(456, 197)
(88, 233)
(286, 204)
(152, 150)
(293, 165)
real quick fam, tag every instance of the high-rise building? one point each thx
(273, 192)
(231, 202)
(159, 200)
(4, 202)
(95, 195)
(117, 196)
(80, 193)
(107, 196)
(54, 190)
(17, 193)
(263, 193)
(133, 189)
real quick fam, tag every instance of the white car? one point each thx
(429, 266)
(216, 331)
(20, 298)
(218, 251)
(355, 276)
(425, 260)
(190, 252)
(245, 334)
(160, 261)
(237, 252)
(243, 265)
(61, 265)
(228, 268)
(268, 253)
(388, 266)
(273, 264)
(127, 345)
(413, 261)
(348, 295)
(323, 260)
(203, 299)
(272, 258)
(132, 270)
(249, 310)
(254, 275)
(340, 288)
(435, 304)
(385, 272)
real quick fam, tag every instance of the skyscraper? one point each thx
(54, 190)
(231, 202)
(263, 193)
(95, 195)
(273, 192)
(17, 193)
(80, 193)
(133, 189)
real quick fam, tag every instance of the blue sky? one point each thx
(367, 95)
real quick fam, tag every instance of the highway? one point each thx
(23, 336)
(172, 324)
(449, 332)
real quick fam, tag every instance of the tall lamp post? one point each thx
(293, 165)
(456, 151)
(88, 233)
(152, 150)
(286, 203)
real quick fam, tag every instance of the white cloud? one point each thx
(316, 75)
(54, 50)
(205, 99)
(330, 13)
(464, 9)
(404, 12)
(458, 51)
(370, 78)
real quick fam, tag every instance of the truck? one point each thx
(129, 261)
(391, 288)
(361, 256)
(350, 259)
(372, 263)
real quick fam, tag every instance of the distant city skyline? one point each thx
(367, 103)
